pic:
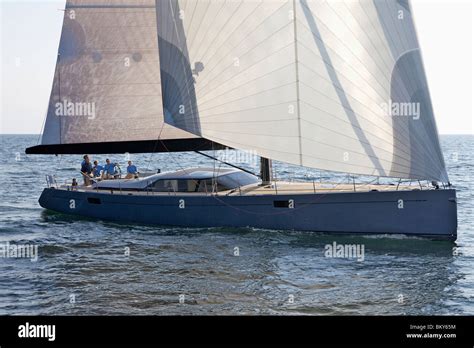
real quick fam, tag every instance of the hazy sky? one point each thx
(30, 32)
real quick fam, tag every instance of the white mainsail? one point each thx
(107, 85)
(334, 85)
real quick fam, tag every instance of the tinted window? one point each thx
(235, 180)
(224, 183)
(175, 186)
(210, 185)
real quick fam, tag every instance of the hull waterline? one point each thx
(430, 213)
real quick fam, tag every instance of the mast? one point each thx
(266, 171)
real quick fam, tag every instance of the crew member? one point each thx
(132, 171)
(109, 169)
(97, 170)
(86, 170)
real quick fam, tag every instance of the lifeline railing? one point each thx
(279, 188)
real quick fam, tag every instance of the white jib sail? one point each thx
(334, 85)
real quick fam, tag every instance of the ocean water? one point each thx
(82, 266)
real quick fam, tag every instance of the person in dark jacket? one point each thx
(86, 170)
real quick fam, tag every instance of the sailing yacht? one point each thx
(329, 85)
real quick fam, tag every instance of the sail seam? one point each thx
(220, 48)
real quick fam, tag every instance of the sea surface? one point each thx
(87, 267)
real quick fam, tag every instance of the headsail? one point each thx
(106, 94)
(334, 85)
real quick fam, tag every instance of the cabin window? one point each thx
(235, 180)
(281, 204)
(92, 200)
(223, 183)
(211, 185)
(205, 186)
(175, 186)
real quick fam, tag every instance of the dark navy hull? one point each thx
(430, 213)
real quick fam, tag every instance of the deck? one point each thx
(276, 188)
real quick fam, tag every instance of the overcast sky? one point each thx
(30, 32)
